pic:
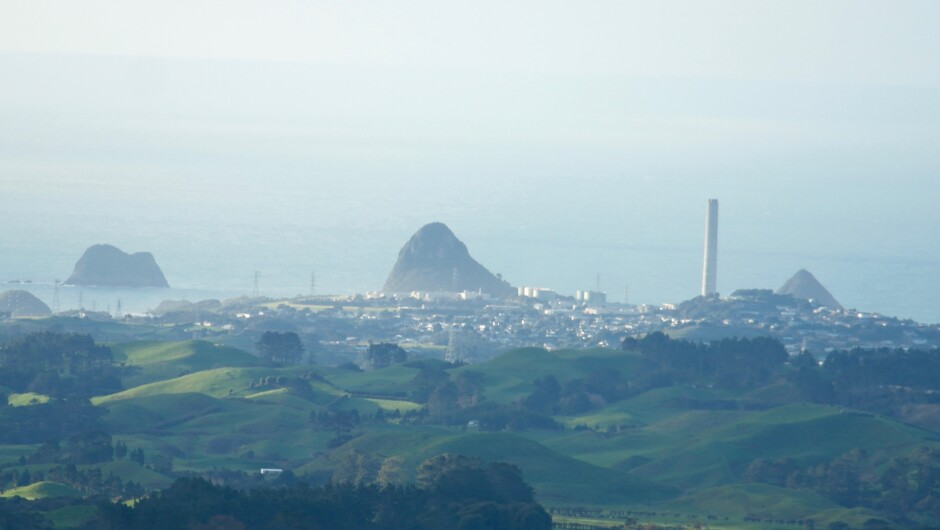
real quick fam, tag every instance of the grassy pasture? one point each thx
(164, 360)
(26, 399)
(808, 433)
(204, 406)
(42, 490)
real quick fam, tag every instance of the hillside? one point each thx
(23, 304)
(587, 428)
(42, 490)
(162, 360)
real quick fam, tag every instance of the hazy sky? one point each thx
(838, 41)
(587, 135)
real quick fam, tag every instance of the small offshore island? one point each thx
(109, 266)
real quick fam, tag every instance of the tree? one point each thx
(280, 348)
(120, 449)
(430, 471)
(443, 401)
(137, 455)
(545, 396)
(392, 472)
(357, 468)
(90, 447)
(469, 388)
(385, 354)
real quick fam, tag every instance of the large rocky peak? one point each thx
(434, 243)
(804, 285)
(428, 262)
(109, 266)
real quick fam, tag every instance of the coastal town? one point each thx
(470, 328)
(439, 302)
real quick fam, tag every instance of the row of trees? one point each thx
(280, 347)
(907, 487)
(49, 422)
(451, 492)
(878, 380)
(577, 395)
(91, 482)
(727, 363)
(63, 365)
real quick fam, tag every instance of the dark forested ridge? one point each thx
(880, 380)
(67, 367)
(456, 492)
(62, 365)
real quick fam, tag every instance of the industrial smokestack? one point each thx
(710, 267)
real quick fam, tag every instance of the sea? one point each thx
(298, 179)
(638, 239)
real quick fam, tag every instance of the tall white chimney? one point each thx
(710, 267)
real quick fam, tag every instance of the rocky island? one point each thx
(434, 259)
(109, 266)
(805, 286)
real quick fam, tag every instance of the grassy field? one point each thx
(509, 376)
(158, 361)
(390, 380)
(27, 399)
(216, 382)
(765, 502)
(808, 433)
(42, 490)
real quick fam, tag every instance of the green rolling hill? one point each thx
(808, 433)
(681, 448)
(42, 490)
(163, 360)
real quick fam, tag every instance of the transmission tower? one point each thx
(254, 291)
(454, 275)
(313, 283)
(119, 313)
(452, 355)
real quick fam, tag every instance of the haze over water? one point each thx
(553, 164)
